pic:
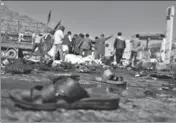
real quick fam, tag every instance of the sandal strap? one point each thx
(37, 87)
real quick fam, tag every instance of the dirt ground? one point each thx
(142, 100)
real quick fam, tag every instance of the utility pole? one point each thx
(169, 33)
(18, 26)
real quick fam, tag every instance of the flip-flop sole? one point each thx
(95, 102)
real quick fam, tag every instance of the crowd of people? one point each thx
(82, 44)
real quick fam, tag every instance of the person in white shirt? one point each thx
(119, 46)
(58, 40)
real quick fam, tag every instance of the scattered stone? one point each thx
(149, 93)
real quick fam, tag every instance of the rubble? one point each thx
(79, 64)
(162, 67)
(17, 67)
(161, 75)
(73, 59)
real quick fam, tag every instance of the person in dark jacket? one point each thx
(67, 41)
(100, 46)
(73, 43)
(77, 44)
(86, 46)
(119, 46)
(93, 43)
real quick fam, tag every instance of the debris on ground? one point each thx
(18, 67)
(161, 75)
(162, 67)
(143, 100)
(149, 93)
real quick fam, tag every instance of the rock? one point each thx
(56, 62)
(149, 93)
(147, 65)
(5, 62)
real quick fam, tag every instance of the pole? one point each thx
(18, 26)
(169, 33)
(19, 39)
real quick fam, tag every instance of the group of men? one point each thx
(120, 45)
(82, 45)
(78, 44)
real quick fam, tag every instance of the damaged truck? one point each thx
(14, 45)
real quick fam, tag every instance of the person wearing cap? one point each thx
(67, 45)
(58, 40)
(86, 46)
(100, 46)
(119, 46)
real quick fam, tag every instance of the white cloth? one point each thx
(52, 51)
(73, 59)
(127, 51)
(58, 37)
(65, 48)
(163, 49)
(163, 44)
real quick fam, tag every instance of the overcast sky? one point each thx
(96, 17)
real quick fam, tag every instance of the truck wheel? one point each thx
(12, 53)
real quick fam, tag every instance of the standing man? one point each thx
(100, 46)
(77, 44)
(162, 49)
(93, 49)
(73, 42)
(135, 47)
(67, 45)
(119, 46)
(58, 40)
(48, 41)
(86, 46)
(38, 43)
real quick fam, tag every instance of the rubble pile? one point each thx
(18, 67)
(63, 66)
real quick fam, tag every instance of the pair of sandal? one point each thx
(64, 92)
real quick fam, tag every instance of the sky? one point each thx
(97, 17)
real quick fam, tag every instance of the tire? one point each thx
(12, 53)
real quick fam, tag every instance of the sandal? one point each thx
(63, 92)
